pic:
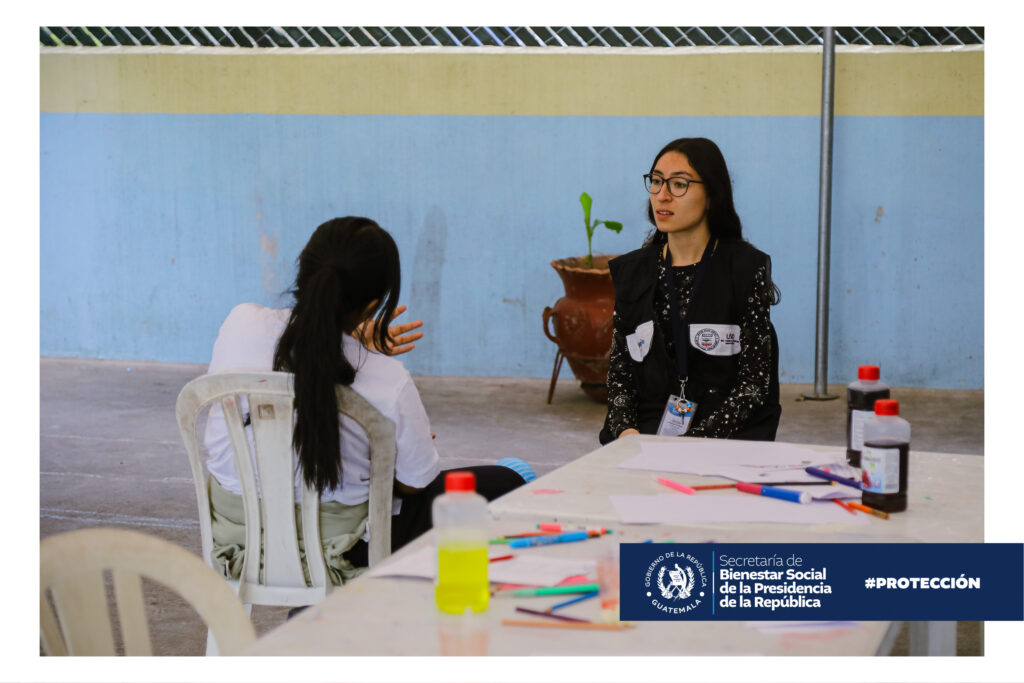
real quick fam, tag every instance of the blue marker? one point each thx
(544, 540)
(822, 474)
(772, 492)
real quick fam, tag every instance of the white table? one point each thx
(945, 504)
(396, 616)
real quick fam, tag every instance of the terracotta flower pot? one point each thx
(582, 321)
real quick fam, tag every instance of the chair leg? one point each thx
(211, 645)
(559, 357)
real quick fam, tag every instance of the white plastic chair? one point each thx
(270, 505)
(71, 567)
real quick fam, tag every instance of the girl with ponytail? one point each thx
(338, 332)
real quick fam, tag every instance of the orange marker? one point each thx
(870, 511)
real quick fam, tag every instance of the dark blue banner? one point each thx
(822, 581)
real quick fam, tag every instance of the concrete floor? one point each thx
(110, 454)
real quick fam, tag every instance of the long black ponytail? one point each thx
(348, 268)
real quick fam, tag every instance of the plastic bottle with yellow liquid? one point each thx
(460, 529)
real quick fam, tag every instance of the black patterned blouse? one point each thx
(751, 389)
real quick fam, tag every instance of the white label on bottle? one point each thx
(880, 469)
(857, 420)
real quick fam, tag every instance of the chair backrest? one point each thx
(71, 568)
(270, 504)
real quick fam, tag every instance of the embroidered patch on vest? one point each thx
(639, 343)
(716, 340)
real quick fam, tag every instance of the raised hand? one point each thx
(401, 334)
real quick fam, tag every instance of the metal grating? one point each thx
(501, 36)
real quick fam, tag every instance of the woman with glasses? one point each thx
(346, 295)
(693, 349)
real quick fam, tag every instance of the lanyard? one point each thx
(679, 326)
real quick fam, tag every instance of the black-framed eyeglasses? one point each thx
(677, 187)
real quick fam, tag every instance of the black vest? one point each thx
(720, 301)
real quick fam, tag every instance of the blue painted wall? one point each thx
(154, 225)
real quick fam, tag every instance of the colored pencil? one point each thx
(552, 590)
(844, 506)
(573, 601)
(773, 483)
(503, 557)
(870, 511)
(549, 615)
(567, 624)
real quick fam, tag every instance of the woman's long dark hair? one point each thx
(348, 264)
(723, 221)
(707, 160)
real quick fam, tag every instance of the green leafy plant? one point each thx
(614, 226)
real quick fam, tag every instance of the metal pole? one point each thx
(824, 217)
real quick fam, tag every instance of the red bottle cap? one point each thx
(887, 406)
(869, 372)
(460, 481)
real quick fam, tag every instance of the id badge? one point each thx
(677, 416)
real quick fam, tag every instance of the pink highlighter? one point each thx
(676, 485)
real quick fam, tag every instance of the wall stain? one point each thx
(878, 214)
(268, 251)
(268, 244)
(424, 288)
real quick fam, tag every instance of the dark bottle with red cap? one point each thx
(860, 405)
(885, 459)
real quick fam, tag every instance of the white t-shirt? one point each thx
(246, 343)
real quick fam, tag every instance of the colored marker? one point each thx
(823, 474)
(772, 492)
(573, 601)
(512, 537)
(549, 615)
(774, 483)
(552, 590)
(550, 538)
(503, 557)
(870, 511)
(676, 485)
(549, 527)
(844, 506)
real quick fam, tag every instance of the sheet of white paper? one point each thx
(761, 462)
(671, 508)
(525, 568)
